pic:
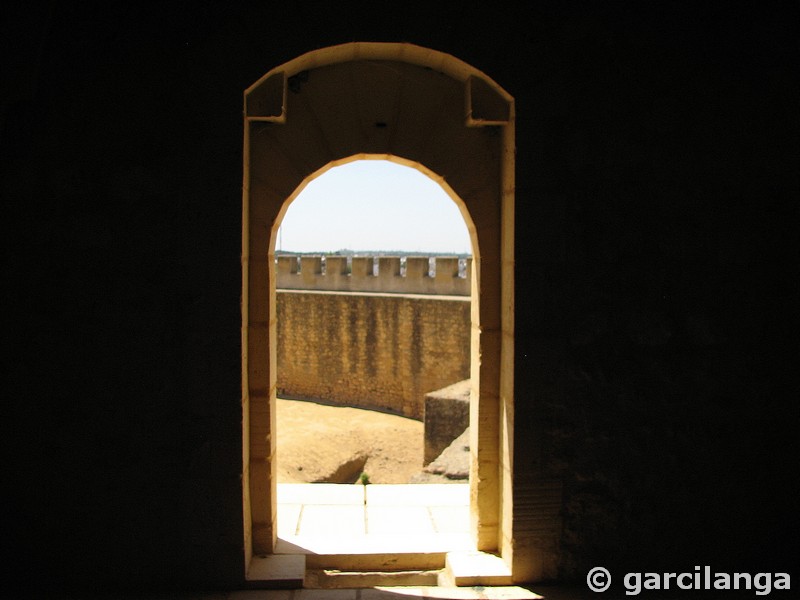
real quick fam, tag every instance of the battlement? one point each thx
(440, 276)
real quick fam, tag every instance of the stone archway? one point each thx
(412, 105)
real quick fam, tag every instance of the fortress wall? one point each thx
(380, 351)
(375, 274)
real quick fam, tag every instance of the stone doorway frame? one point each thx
(415, 106)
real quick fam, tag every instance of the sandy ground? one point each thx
(317, 442)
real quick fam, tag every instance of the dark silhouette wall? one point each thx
(656, 214)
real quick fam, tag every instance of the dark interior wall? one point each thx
(655, 230)
(656, 215)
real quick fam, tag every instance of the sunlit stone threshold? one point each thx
(376, 527)
(410, 539)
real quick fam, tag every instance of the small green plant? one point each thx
(364, 479)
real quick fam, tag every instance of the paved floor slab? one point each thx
(399, 520)
(332, 519)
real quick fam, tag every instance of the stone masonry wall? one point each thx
(381, 351)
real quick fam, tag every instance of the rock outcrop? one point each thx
(452, 465)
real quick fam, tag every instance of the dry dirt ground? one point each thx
(322, 443)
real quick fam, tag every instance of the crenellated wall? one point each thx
(444, 276)
(380, 349)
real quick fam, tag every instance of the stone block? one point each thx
(446, 417)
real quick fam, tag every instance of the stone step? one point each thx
(335, 579)
(453, 569)
(377, 561)
(393, 593)
(458, 593)
(277, 571)
(475, 568)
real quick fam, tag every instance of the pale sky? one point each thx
(373, 205)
